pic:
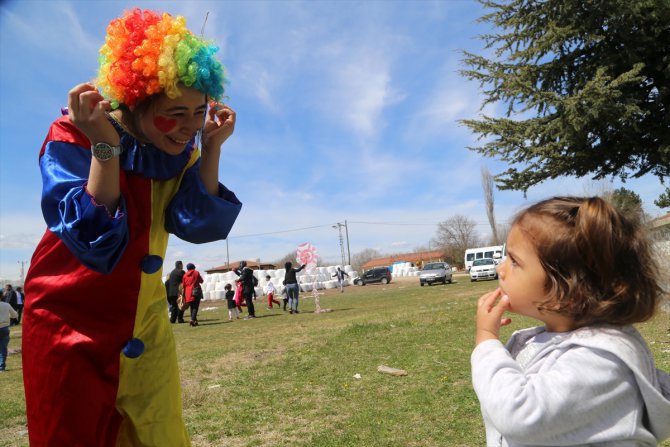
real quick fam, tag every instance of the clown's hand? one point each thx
(87, 110)
(219, 125)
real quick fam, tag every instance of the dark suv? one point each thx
(378, 274)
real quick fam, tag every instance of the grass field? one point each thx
(288, 380)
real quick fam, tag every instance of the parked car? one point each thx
(435, 272)
(483, 269)
(377, 274)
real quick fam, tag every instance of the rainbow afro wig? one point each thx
(146, 52)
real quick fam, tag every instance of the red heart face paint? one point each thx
(163, 124)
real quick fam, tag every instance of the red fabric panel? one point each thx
(76, 322)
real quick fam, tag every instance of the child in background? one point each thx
(284, 294)
(230, 299)
(586, 377)
(269, 290)
(239, 299)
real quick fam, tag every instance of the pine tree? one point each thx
(587, 89)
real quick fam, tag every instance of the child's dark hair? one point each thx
(227, 286)
(599, 264)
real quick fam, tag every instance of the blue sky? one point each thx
(346, 110)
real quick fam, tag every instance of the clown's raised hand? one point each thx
(219, 125)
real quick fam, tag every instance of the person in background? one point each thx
(284, 294)
(230, 300)
(340, 274)
(586, 376)
(9, 297)
(173, 282)
(192, 291)
(239, 299)
(19, 303)
(270, 292)
(135, 158)
(293, 289)
(249, 282)
(7, 313)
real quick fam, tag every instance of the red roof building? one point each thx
(417, 258)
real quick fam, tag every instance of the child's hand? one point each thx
(86, 110)
(489, 315)
(219, 125)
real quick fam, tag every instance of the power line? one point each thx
(331, 224)
(392, 223)
(278, 232)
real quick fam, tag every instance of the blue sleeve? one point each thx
(95, 237)
(198, 217)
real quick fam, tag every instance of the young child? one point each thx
(586, 377)
(270, 292)
(120, 172)
(230, 299)
(284, 294)
(239, 299)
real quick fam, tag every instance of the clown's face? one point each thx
(169, 124)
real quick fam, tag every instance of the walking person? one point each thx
(292, 287)
(230, 301)
(7, 313)
(135, 159)
(270, 290)
(192, 291)
(249, 282)
(340, 274)
(284, 294)
(173, 282)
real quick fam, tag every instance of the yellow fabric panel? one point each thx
(156, 421)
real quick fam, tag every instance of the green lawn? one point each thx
(288, 380)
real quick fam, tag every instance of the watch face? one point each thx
(104, 152)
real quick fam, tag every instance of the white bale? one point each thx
(330, 284)
(305, 287)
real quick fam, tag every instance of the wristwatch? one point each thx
(104, 152)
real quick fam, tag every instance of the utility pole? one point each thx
(346, 229)
(22, 275)
(227, 254)
(339, 226)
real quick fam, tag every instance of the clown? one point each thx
(120, 172)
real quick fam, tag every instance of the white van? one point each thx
(495, 252)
